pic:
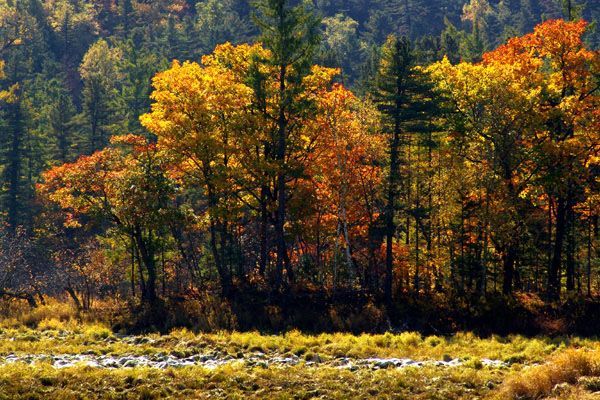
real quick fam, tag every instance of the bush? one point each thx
(410, 339)
(52, 324)
(54, 309)
(97, 332)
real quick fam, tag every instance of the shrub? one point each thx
(97, 332)
(411, 339)
(433, 341)
(52, 310)
(591, 383)
(474, 363)
(51, 324)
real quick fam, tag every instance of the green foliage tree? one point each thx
(290, 32)
(100, 71)
(404, 96)
(219, 22)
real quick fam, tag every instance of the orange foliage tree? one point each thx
(218, 121)
(529, 117)
(125, 185)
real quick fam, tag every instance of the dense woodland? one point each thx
(388, 149)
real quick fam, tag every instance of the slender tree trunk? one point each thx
(390, 212)
(73, 295)
(225, 283)
(262, 267)
(14, 168)
(215, 228)
(553, 289)
(417, 249)
(223, 247)
(140, 273)
(508, 263)
(570, 259)
(133, 250)
(282, 255)
(146, 248)
(589, 254)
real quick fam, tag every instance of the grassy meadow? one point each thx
(531, 368)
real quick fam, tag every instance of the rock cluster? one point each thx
(211, 361)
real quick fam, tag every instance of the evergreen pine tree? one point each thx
(290, 32)
(404, 96)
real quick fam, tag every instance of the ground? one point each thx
(42, 357)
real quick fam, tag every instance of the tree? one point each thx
(24, 267)
(498, 123)
(74, 28)
(194, 113)
(125, 186)
(344, 177)
(14, 157)
(291, 34)
(61, 116)
(101, 79)
(127, 16)
(217, 124)
(477, 13)
(566, 72)
(529, 110)
(340, 44)
(137, 67)
(17, 31)
(219, 22)
(404, 96)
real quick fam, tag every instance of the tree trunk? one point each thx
(390, 212)
(73, 295)
(508, 263)
(146, 248)
(280, 218)
(570, 259)
(262, 267)
(13, 170)
(589, 254)
(553, 290)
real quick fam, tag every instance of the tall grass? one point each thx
(537, 382)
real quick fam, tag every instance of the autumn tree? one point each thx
(344, 179)
(528, 109)
(195, 112)
(126, 186)
(566, 74)
(24, 267)
(218, 125)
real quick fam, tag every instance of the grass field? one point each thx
(531, 369)
(291, 365)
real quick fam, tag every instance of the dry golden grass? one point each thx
(41, 381)
(553, 378)
(541, 367)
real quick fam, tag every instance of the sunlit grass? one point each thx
(539, 367)
(564, 375)
(55, 337)
(42, 381)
